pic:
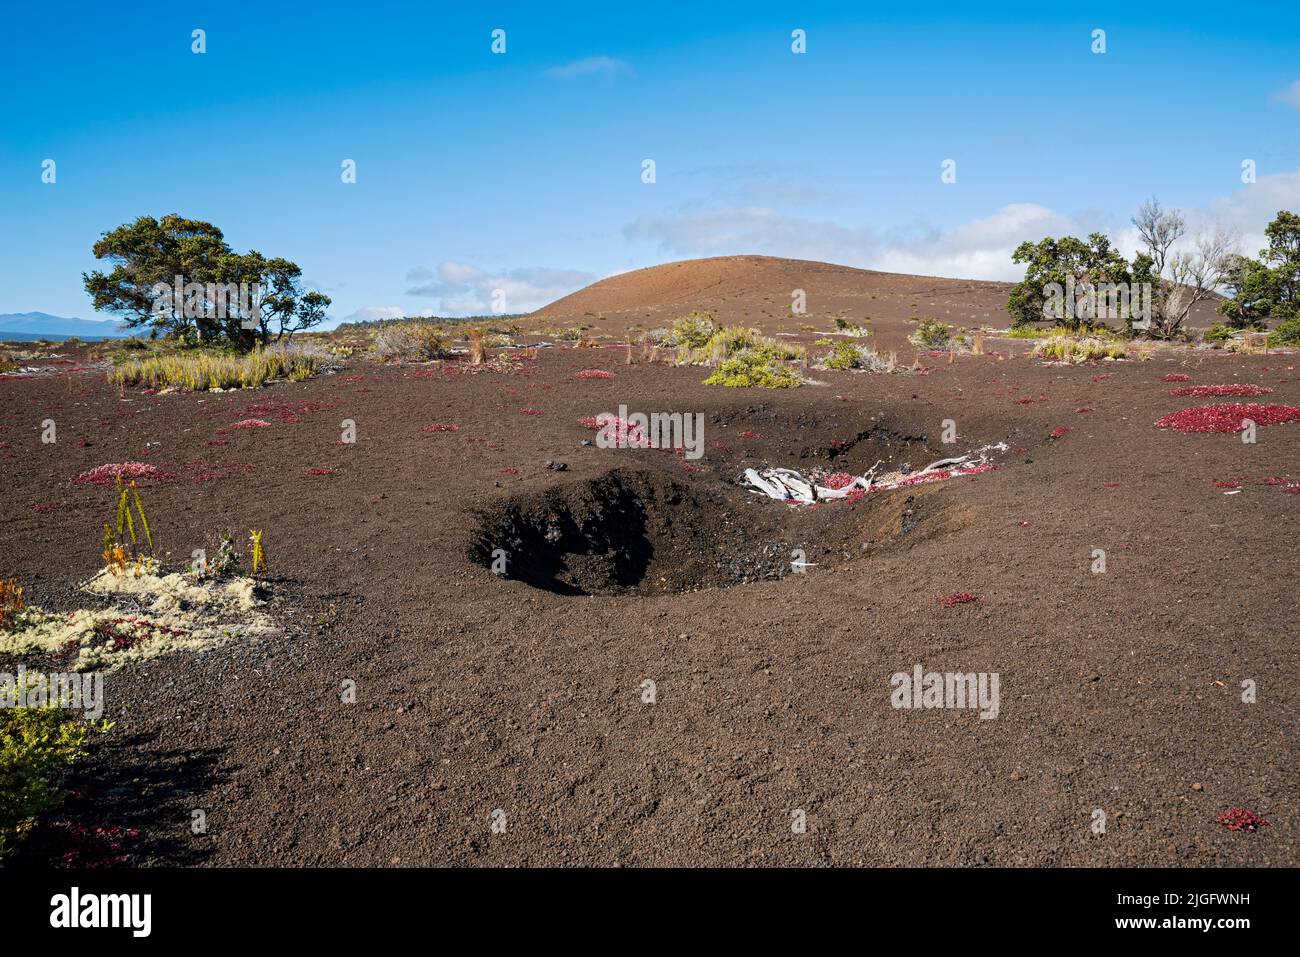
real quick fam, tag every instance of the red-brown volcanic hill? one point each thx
(758, 290)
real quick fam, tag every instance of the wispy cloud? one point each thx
(465, 290)
(1290, 96)
(592, 66)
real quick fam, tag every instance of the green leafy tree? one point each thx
(1283, 257)
(1053, 266)
(1253, 293)
(178, 278)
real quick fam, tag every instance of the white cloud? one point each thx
(371, 313)
(591, 66)
(1290, 96)
(978, 249)
(465, 290)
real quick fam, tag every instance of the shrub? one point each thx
(694, 330)
(37, 745)
(1219, 332)
(7, 363)
(1287, 333)
(199, 370)
(846, 355)
(569, 335)
(758, 367)
(931, 335)
(846, 328)
(411, 342)
(1077, 349)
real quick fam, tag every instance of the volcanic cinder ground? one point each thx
(476, 693)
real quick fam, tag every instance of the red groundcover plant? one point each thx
(105, 474)
(1207, 391)
(442, 428)
(251, 424)
(1239, 819)
(1176, 377)
(594, 374)
(1227, 417)
(960, 598)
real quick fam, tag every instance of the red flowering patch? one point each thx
(960, 598)
(838, 480)
(105, 474)
(129, 632)
(510, 470)
(1085, 409)
(594, 374)
(442, 428)
(1239, 819)
(45, 507)
(750, 435)
(1176, 377)
(289, 412)
(1057, 432)
(251, 424)
(531, 411)
(1206, 391)
(218, 441)
(101, 846)
(1228, 417)
(625, 434)
(320, 471)
(1227, 485)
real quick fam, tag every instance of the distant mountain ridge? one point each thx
(36, 325)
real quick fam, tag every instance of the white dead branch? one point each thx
(787, 485)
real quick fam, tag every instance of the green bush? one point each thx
(931, 334)
(1287, 333)
(760, 367)
(1219, 332)
(844, 355)
(37, 746)
(694, 330)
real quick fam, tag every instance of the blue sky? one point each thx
(522, 171)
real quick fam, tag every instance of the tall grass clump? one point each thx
(198, 371)
(1063, 347)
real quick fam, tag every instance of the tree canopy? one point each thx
(179, 278)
